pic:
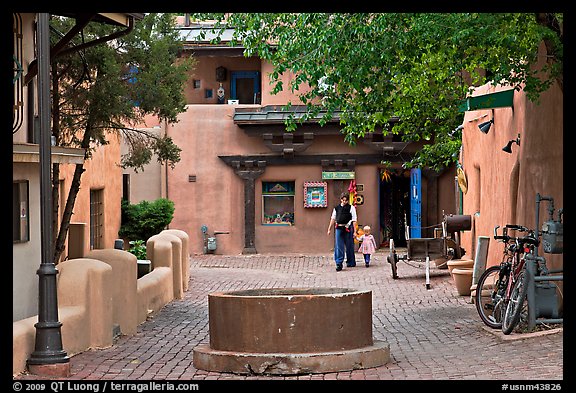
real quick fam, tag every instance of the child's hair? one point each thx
(367, 228)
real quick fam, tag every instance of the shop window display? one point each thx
(278, 203)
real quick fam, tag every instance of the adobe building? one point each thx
(502, 185)
(273, 191)
(96, 216)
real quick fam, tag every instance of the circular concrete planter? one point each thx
(290, 331)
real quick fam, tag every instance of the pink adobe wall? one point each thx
(503, 187)
(309, 231)
(216, 198)
(285, 95)
(205, 71)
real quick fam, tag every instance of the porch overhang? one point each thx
(30, 153)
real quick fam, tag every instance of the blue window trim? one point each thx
(234, 75)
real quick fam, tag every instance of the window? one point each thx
(278, 203)
(96, 219)
(20, 212)
(245, 87)
(126, 186)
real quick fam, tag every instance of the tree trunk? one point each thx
(550, 21)
(67, 216)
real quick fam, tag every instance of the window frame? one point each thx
(254, 75)
(20, 207)
(272, 194)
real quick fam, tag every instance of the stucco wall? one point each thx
(91, 302)
(502, 187)
(26, 257)
(102, 172)
(206, 191)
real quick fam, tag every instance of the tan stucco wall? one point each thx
(99, 292)
(124, 289)
(149, 187)
(102, 172)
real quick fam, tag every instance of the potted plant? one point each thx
(138, 248)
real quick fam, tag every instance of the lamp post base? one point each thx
(55, 370)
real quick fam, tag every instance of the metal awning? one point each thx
(275, 114)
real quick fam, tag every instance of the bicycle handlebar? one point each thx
(513, 227)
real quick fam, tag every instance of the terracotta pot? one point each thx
(463, 280)
(460, 264)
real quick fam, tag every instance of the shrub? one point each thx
(145, 219)
(138, 248)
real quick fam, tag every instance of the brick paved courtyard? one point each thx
(434, 334)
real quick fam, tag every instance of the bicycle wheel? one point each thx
(517, 307)
(489, 296)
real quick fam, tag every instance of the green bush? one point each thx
(145, 219)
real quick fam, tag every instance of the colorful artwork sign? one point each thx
(315, 194)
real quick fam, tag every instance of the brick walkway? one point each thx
(434, 334)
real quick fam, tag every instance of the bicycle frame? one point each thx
(510, 267)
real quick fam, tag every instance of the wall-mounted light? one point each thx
(485, 127)
(508, 147)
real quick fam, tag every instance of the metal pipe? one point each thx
(550, 320)
(549, 278)
(531, 290)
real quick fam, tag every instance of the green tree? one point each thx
(104, 90)
(415, 67)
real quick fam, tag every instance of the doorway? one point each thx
(245, 87)
(394, 206)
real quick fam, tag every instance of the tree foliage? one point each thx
(145, 219)
(417, 67)
(110, 87)
(105, 90)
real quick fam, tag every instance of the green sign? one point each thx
(338, 175)
(487, 101)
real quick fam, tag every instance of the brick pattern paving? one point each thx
(434, 334)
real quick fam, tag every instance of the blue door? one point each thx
(415, 203)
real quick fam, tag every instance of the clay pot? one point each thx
(460, 264)
(463, 280)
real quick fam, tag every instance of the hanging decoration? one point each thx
(352, 191)
(462, 182)
(385, 175)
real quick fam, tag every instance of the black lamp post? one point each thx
(48, 348)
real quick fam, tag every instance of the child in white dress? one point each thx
(368, 244)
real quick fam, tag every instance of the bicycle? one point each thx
(519, 311)
(495, 285)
